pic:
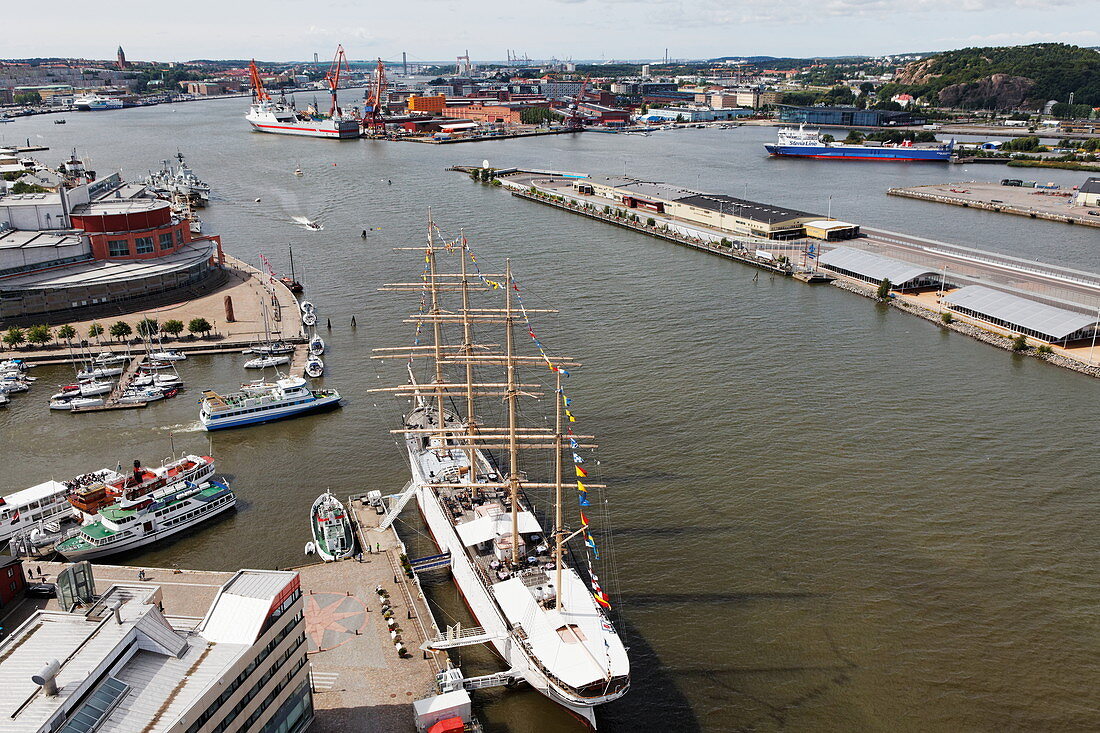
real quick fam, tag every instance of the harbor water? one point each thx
(828, 515)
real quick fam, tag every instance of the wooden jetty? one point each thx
(112, 401)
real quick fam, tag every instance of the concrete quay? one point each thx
(1036, 203)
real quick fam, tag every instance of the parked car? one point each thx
(41, 590)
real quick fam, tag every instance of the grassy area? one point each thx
(1068, 165)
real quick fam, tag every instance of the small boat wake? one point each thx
(189, 427)
(307, 223)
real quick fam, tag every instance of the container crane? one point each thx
(339, 62)
(372, 111)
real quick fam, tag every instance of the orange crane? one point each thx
(339, 61)
(372, 110)
(259, 94)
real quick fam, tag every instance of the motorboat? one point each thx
(78, 403)
(62, 403)
(262, 362)
(333, 538)
(316, 345)
(314, 366)
(84, 389)
(140, 395)
(170, 355)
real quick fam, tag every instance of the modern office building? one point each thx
(123, 662)
(851, 116)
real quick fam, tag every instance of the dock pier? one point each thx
(1033, 203)
(112, 400)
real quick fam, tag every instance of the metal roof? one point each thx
(1029, 314)
(265, 584)
(873, 266)
(1092, 185)
(754, 210)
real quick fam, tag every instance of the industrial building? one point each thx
(490, 111)
(1021, 315)
(97, 244)
(708, 209)
(1089, 193)
(849, 116)
(122, 661)
(874, 268)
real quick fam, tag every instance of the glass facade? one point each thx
(118, 247)
(144, 245)
(845, 116)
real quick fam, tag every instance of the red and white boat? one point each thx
(267, 115)
(92, 491)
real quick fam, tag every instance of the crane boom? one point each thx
(259, 94)
(339, 61)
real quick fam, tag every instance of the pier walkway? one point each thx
(112, 400)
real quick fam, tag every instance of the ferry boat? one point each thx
(537, 603)
(267, 115)
(290, 397)
(803, 143)
(94, 102)
(332, 534)
(22, 510)
(127, 526)
(90, 492)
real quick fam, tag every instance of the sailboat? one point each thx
(291, 282)
(537, 602)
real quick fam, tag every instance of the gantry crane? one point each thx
(574, 119)
(339, 61)
(372, 111)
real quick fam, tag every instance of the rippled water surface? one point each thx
(828, 515)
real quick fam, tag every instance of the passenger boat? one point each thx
(165, 512)
(538, 602)
(332, 534)
(802, 143)
(263, 362)
(289, 398)
(22, 510)
(267, 115)
(91, 492)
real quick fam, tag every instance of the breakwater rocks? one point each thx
(967, 329)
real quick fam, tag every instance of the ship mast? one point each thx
(511, 393)
(437, 331)
(558, 531)
(468, 350)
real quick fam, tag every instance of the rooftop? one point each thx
(873, 266)
(743, 208)
(24, 238)
(122, 205)
(1091, 185)
(1046, 319)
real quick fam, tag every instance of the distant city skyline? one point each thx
(440, 30)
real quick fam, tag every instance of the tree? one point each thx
(68, 333)
(13, 337)
(27, 98)
(827, 138)
(535, 115)
(95, 331)
(1019, 343)
(947, 318)
(121, 330)
(39, 335)
(200, 326)
(148, 327)
(883, 291)
(20, 187)
(172, 327)
(854, 137)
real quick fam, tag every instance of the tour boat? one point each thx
(535, 600)
(158, 515)
(22, 510)
(314, 366)
(333, 537)
(90, 492)
(289, 398)
(262, 362)
(316, 345)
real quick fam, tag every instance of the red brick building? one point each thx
(12, 580)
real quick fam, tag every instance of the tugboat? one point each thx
(332, 534)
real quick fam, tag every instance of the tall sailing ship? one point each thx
(538, 603)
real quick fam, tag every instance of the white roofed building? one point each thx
(125, 663)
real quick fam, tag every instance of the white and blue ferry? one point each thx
(287, 397)
(803, 143)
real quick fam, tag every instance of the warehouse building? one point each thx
(874, 268)
(1022, 315)
(850, 116)
(714, 210)
(1089, 193)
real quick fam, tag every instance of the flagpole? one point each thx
(557, 492)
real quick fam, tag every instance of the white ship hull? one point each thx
(485, 609)
(289, 124)
(138, 541)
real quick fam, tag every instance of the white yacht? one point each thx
(263, 362)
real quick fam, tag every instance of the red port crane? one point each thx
(372, 113)
(259, 94)
(339, 61)
(574, 119)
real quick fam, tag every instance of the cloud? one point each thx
(1020, 37)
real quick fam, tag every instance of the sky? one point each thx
(440, 30)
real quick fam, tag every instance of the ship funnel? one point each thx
(47, 677)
